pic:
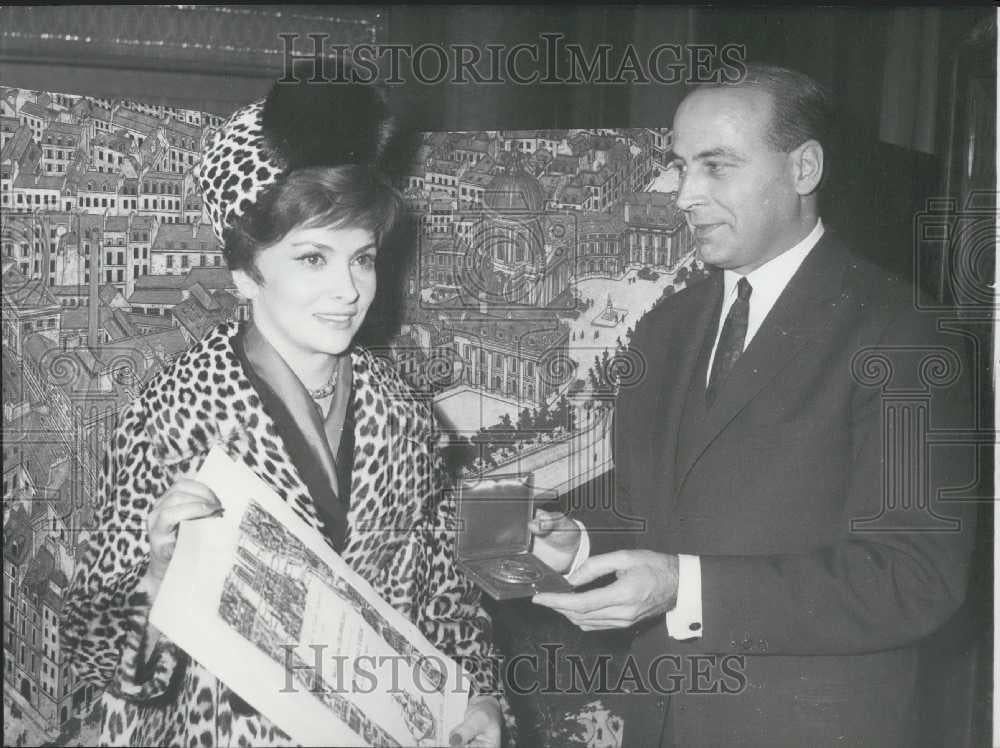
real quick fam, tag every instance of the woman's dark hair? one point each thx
(339, 196)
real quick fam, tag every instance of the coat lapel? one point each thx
(392, 476)
(182, 432)
(799, 313)
(692, 323)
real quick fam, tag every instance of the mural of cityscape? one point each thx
(537, 253)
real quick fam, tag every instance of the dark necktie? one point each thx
(734, 333)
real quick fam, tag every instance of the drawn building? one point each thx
(510, 239)
(508, 355)
(35, 668)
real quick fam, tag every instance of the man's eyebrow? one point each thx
(720, 152)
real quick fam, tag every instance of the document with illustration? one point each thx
(260, 599)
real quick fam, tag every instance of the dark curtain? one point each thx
(510, 105)
(888, 70)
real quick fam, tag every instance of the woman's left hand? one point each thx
(482, 724)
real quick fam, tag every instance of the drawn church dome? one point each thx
(514, 190)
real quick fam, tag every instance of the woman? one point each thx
(294, 193)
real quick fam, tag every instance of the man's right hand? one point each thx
(185, 499)
(556, 539)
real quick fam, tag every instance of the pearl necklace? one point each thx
(327, 389)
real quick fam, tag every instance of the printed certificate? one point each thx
(260, 599)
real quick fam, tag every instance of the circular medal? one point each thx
(515, 572)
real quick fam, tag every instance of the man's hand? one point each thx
(646, 586)
(482, 724)
(557, 538)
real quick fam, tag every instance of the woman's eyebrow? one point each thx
(321, 245)
(307, 243)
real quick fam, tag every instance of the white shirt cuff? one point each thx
(684, 619)
(582, 550)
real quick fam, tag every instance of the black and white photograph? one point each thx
(715, 285)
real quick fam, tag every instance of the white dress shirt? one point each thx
(767, 282)
(684, 620)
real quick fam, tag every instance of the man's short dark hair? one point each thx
(342, 196)
(802, 107)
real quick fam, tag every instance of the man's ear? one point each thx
(246, 285)
(807, 166)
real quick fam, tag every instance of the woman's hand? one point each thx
(482, 725)
(185, 499)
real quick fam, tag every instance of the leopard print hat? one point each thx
(300, 124)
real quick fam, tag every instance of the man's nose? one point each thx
(689, 192)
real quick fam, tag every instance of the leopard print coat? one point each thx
(398, 538)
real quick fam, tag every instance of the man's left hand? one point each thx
(646, 586)
(482, 724)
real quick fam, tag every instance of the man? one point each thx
(757, 454)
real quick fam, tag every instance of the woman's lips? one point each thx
(335, 320)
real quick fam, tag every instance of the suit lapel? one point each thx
(800, 311)
(691, 324)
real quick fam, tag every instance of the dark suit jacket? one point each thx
(797, 447)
